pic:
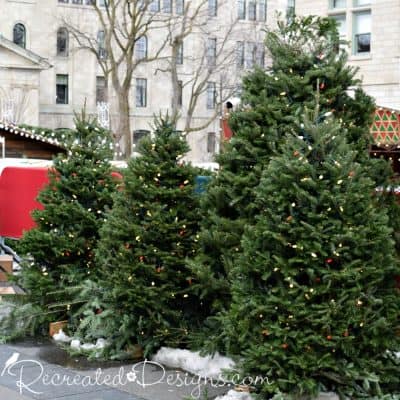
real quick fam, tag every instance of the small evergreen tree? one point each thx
(60, 249)
(144, 287)
(305, 59)
(314, 304)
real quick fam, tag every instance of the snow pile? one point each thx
(193, 362)
(233, 395)
(77, 345)
(61, 337)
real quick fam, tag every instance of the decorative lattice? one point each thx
(386, 127)
(103, 114)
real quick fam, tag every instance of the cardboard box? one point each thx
(55, 327)
(6, 264)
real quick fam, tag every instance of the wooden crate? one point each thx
(6, 266)
(55, 327)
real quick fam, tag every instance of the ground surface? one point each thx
(44, 371)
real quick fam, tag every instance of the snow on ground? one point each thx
(61, 337)
(76, 343)
(233, 395)
(210, 367)
(193, 362)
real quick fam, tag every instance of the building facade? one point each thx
(372, 31)
(48, 73)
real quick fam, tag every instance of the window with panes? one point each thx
(141, 92)
(61, 89)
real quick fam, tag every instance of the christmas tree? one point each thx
(143, 291)
(305, 58)
(59, 251)
(314, 303)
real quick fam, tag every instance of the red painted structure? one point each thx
(19, 187)
(20, 183)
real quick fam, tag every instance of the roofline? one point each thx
(30, 134)
(30, 55)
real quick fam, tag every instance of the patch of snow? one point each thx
(328, 396)
(61, 337)
(100, 344)
(212, 166)
(88, 346)
(234, 395)
(193, 362)
(76, 344)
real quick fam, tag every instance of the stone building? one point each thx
(373, 34)
(47, 74)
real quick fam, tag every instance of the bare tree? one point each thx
(208, 62)
(123, 23)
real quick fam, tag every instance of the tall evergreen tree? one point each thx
(314, 306)
(144, 287)
(61, 247)
(305, 58)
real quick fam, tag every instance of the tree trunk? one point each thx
(175, 83)
(123, 133)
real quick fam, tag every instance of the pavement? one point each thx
(39, 369)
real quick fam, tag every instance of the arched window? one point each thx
(141, 48)
(62, 42)
(19, 35)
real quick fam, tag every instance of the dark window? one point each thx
(138, 135)
(167, 6)
(240, 54)
(179, 55)
(180, 93)
(252, 10)
(101, 45)
(260, 54)
(338, 3)
(155, 6)
(19, 35)
(212, 8)
(61, 89)
(180, 7)
(211, 51)
(62, 42)
(363, 43)
(141, 48)
(290, 11)
(211, 95)
(101, 93)
(262, 10)
(211, 142)
(63, 1)
(141, 92)
(251, 54)
(362, 32)
(242, 9)
(90, 2)
(76, 1)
